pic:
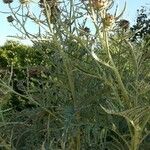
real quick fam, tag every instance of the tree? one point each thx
(142, 26)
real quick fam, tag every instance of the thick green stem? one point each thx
(136, 70)
(72, 88)
(114, 68)
(136, 139)
(69, 72)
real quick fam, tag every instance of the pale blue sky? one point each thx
(130, 14)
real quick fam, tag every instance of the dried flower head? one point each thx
(108, 20)
(87, 30)
(50, 7)
(24, 1)
(51, 3)
(84, 31)
(124, 24)
(10, 19)
(34, 71)
(100, 4)
(53, 12)
(7, 1)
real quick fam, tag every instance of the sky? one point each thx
(130, 14)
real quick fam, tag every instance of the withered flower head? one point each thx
(108, 20)
(100, 4)
(7, 1)
(53, 12)
(124, 24)
(10, 19)
(84, 31)
(24, 1)
(51, 3)
(87, 30)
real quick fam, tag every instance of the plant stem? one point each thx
(136, 70)
(114, 68)
(69, 72)
(136, 138)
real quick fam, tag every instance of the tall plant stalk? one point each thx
(135, 141)
(116, 72)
